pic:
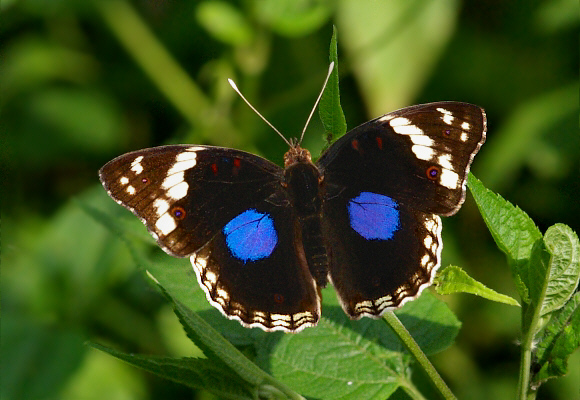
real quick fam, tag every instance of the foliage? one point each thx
(546, 271)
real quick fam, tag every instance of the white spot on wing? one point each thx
(124, 180)
(423, 152)
(449, 179)
(165, 224)
(465, 126)
(131, 190)
(422, 140)
(172, 180)
(178, 191)
(211, 277)
(463, 137)
(183, 161)
(222, 294)
(407, 129)
(161, 206)
(201, 263)
(445, 161)
(430, 224)
(136, 165)
(399, 121)
(447, 116)
(281, 317)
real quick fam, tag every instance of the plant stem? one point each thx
(526, 361)
(274, 391)
(412, 391)
(391, 319)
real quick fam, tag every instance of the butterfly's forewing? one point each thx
(386, 181)
(225, 209)
(418, 155)
(186, 194)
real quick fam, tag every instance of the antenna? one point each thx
(233, 85)
(330, 68)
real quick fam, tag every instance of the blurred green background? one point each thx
(84, 81)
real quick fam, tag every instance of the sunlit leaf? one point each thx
(561, 278)
(513, 231)
(330, 110)
(560, 338)
(455, 280)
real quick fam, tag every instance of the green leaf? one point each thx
(455, 280)
(196, 373)
(427, 318)
(564, 267)
(217, 347)
(224, 22)
(333, 361)
(431, 323)
(330, 110)
(356, 359)
(513, 231)
(559, 339)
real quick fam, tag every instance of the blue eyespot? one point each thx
(374, 216)
(251, 236)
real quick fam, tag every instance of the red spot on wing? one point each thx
(237, 163)
(379, 142)
(354, 144)
(214, 168)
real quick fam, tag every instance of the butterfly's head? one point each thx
(296, 154)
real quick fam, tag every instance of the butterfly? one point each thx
(263, 240)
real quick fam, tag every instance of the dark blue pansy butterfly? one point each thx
(263, 239)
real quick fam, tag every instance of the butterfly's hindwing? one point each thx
(382, 253)
(250, 271)
(419, 155)
(186, 194)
